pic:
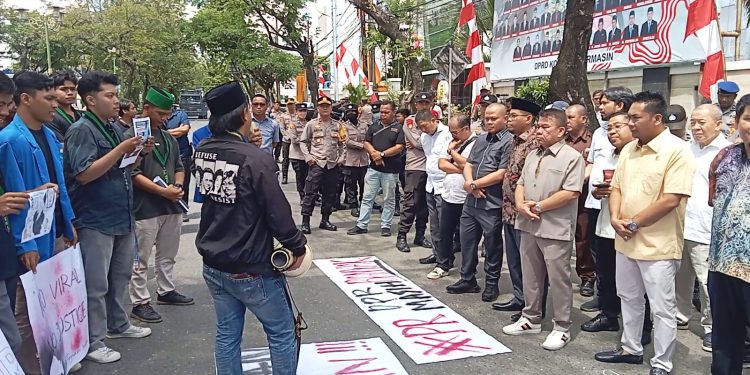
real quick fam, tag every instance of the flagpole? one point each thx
(450, 79)
(334, 71)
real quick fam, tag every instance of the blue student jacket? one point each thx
(24, 168)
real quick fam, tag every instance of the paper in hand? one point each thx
(142, 127)
(40, 215)
(159, 181)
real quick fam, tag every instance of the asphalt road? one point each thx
(183, 343)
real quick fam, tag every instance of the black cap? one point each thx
(488, 99)
(350, 107)
(525, 105)
(301, 106)
(675, 114)
(376, 106)
(423, 97)
(225, 98)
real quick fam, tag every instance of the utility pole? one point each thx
(334, 68)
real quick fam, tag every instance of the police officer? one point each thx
(323, 146)
(477, 126)
(297, 158)
(357, 160)
(285, 119)
(239, 221)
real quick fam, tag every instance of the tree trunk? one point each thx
(569, 79)
(311, 75)
(415, 76)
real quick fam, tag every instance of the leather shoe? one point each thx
(601, 323)
(430, 259)
(514, 318)
(463, 286)
(591, 306)
(325, 224)
(356, 230)
(658, 371)
(618, 356)
(587, 288)
(401, 244)
(355, 212)
(421, 241)
(512, 305)
(491, 292)
(305, 227)
(284, 180)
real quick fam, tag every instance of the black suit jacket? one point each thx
(614, 35)
(600, 36)
(599, 5)
(648, 28)
(516, 27)
(546, 46)
(630, 32)
(556, 45)
(537, 49)
(527, 50)
(611, 4)
(517, 52)
(556, 17)
(524, 25)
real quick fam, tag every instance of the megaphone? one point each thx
(283, 258)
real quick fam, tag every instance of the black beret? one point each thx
(525, 105)
(350, 107)
(301, 106)
(423, 97)
(488, 99)
(225, 98)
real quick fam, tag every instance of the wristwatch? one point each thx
(473, 186)
(632, 226)
(382, 154)
(538, 207)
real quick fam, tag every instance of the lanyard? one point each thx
(163, 158)
(6, 221)
(65, 115)
(111, 135)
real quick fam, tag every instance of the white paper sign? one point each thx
(41, 214)
(8, 363)
(365, 356)
(142, 128)
(58, 311)
(425, 328)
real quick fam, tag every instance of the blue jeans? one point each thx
(266, 297)
(374, 181)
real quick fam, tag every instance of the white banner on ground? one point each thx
(425, 328)
(58, 311)
(365, 356)
(8, 363)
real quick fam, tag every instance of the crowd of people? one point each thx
(655, 214)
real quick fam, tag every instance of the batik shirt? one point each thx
(729, 192)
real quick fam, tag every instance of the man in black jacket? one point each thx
(65, 83)
(241, 215)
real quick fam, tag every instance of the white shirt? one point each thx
(603, 225)
(600, 148)
(698, 214)
(454, 182)
(434, 146)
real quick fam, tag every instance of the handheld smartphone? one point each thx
(602, 185)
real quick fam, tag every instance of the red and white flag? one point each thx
(321, 80)
(352, 69)
(702, 23)
(477, 75)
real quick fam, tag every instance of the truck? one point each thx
(191, 101)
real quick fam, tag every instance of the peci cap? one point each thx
(423, 97)
(488, 99)
(301, 106)
(324, 100)
(676, 116)
(558, 104)
(525, 105)
(350, 107)
(225, 98)
(159, 97)
(728, 87)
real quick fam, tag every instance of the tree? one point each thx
(569, 79)
(389, 24)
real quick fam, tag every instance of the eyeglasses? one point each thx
(513, 116)
(618, 125)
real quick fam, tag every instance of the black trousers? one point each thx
(187, 163)
(476, 222)
(354, 185)
(323, 180)
(609, 302)
(300, 175)
(730, 308)
(285, 159)
(450, 217)
(513, 255)
(414, 204)
(277, 151)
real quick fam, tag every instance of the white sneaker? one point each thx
(522, 327)
(103, 355)
(556, 340)
(133, 332)
(437, 273)
(77, 367)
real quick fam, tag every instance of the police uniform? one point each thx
(477, 126)
(356, 162)
(296, 157)
(284, 120)
(322, 142)
(241, 215)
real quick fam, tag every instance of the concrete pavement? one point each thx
(183, 343)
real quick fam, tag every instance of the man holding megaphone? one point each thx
(243, 211)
